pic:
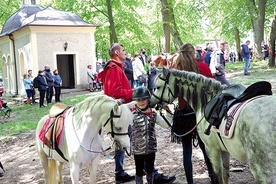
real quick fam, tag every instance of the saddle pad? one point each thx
(227, 126)
(51, 132)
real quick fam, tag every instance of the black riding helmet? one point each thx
(140, 93)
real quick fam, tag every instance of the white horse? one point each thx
(254, 138)
(80, 141)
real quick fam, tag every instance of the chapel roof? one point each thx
(14, 22)
(39, 16)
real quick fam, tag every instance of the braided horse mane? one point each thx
(195, 88)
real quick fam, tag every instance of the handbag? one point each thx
(142, 79)
(184, 121)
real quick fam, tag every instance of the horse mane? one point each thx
(197, 88)
(96, 106)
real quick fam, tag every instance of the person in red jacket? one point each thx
(116, 85)
(115, 82)
(187, 61)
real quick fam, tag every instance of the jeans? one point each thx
(187, 157)
(119, 162)
(246, 65)
(222, 79)
(119, 158)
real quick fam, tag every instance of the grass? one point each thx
(24, 118)
(259, 71)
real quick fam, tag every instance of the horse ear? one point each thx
(130, 105)
(116, 108)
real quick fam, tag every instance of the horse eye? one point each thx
(118, 128)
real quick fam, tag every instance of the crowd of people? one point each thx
(46, 82)
(125, 78)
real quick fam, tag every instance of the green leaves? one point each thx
(7, 8)
(139, 23)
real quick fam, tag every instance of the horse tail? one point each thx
(52, 167)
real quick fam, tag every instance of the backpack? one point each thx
(35, 82)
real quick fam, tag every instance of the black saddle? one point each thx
(217, 108)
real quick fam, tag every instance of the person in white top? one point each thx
(90, 78)
(138, 71)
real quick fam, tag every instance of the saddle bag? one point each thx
(184, 120)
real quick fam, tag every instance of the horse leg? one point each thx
(215, 158)
(44, 163)
(74, 172)
(225, 166)
(59, 172)
(93, 169)
(52, 166)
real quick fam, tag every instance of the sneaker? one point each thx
(247, 74)
(125, 178)
(162, 179)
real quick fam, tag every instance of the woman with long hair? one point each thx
(187, 61)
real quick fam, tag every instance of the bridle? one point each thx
(110, 119)
(166, 85)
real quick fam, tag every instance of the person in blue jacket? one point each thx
(57, 85)
(42, 87)
(246, 57)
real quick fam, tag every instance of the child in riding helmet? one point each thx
(144, 144)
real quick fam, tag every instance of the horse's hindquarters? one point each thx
(44, 149)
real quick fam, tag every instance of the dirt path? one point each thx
(21, 162)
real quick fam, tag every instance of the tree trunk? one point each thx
(174, 29)
(166, 24)
(238, 44)
(257, 18)
(113, 35)
(272, 43)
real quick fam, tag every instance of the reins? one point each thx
(166, 120)
(111, 124)
(167, 85)
(110, 119)
(161, 101)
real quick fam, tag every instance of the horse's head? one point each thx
(165, 90)
(118, 125)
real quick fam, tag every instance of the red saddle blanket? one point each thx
(51, 132)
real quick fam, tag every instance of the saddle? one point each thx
(217, 108)
(50, 133)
